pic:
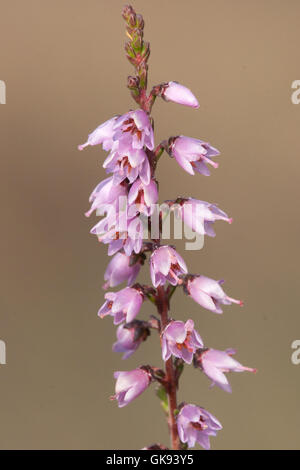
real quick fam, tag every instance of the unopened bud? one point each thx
(133, 82)
(140, 22)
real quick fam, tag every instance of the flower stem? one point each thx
(163, 308)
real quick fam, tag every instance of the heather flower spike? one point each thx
(127, 201)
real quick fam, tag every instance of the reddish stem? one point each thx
(163, 308)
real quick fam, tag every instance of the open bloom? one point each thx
(103, 134)
(120, 231)
(181, 340)
(197, 425)
(122, 305)
(143, 196)
(130, 384)
(135, 125)
(166, 265)
(193, 154)
(200, 216)
(129, 337)
(127, 162)
(106, 192)
(209, 293)
(174, 91)
(214, 363)
(119, 269)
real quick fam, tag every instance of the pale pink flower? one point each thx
(123, 305)
(106, 192)
(129, 337)
(174, 91)
(143, 196)
(195, 424)
(119, 269)
(209, 293)
(166, 265)
(180, 339)
(193, 154)
(103, 134)
(127, 162)
(129, 385)
(137, 126)
(200, 215)
(215, 363)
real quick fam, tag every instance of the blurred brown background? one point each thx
(65, 72)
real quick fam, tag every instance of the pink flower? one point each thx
(143, 196)
(180, 94)
(193, 154)
(209, 293)
(127, 162)
(214, 363)
(120, 230)
(129, 385)
(119, 269)
(122, 305)
(166, 265)
(137, 126)
(200, 216)
(106, 192)
(195, 424)
(181, 340)
(129, 337)
(102, 135)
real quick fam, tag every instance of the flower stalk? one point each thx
(171, 385)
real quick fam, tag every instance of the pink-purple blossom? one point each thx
(120, 269)
(127, 162)
(136, 126)
(103, 134)
(143, 196)
(129, 385)
(174, 91)
(106, 192)
(209, 293)
(129, 337)
(120, 231)
(166, 265)
(180, 340)
(200, 216)
(123, 305)
(195, 424)
(193, 155)
(215, 363)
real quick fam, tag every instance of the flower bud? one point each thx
(174, 91)
(129, 385)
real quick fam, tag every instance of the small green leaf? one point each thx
(162, 395)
